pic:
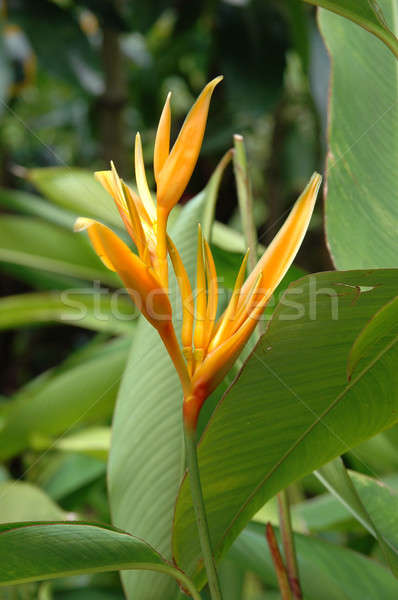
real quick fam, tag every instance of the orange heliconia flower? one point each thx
(211, 346)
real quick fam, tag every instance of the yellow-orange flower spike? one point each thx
(247, 304)
(173, 174)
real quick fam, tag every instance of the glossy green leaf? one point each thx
(384, 324)
(76, 190)
(21, 501)
(291, 408)
(43, 550)
(336, 479)
(33, 243)
(326, 571)
(362, 190)
(93, 310)
(366, 13)
(82, 394)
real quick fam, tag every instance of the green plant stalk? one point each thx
(200, 513)
(246, 210)
(289, 549)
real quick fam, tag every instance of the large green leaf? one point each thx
(76, 190)
(101, 312)
(30, 242)
(84, 393)
(42, 550)
(366, 13)
(326, 571)
(292, 409)
(362, 190)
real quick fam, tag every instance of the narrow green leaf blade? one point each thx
(93, 310)
(336, 479)
(33, 243)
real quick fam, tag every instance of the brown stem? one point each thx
(280, 570)
(288, 544)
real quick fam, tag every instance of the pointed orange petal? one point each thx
(280, 254)
(142, 184)
(107, 180)
(140, 282)
(162, 141)
(82, 224)
(180, 163)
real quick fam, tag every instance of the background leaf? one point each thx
(290, 410)
(21, 501)
(368, 14)
(94, 310)
(83, 393)
(362, 190)
(336, 480)
(77, 191)
(30, 242)
(326, 571)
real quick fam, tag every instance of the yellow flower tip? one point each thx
(162, 141)
(82, 223)
(140, 176)
(180, 163)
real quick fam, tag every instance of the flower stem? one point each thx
(280, 570)
(200, 513)
(288, 544)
